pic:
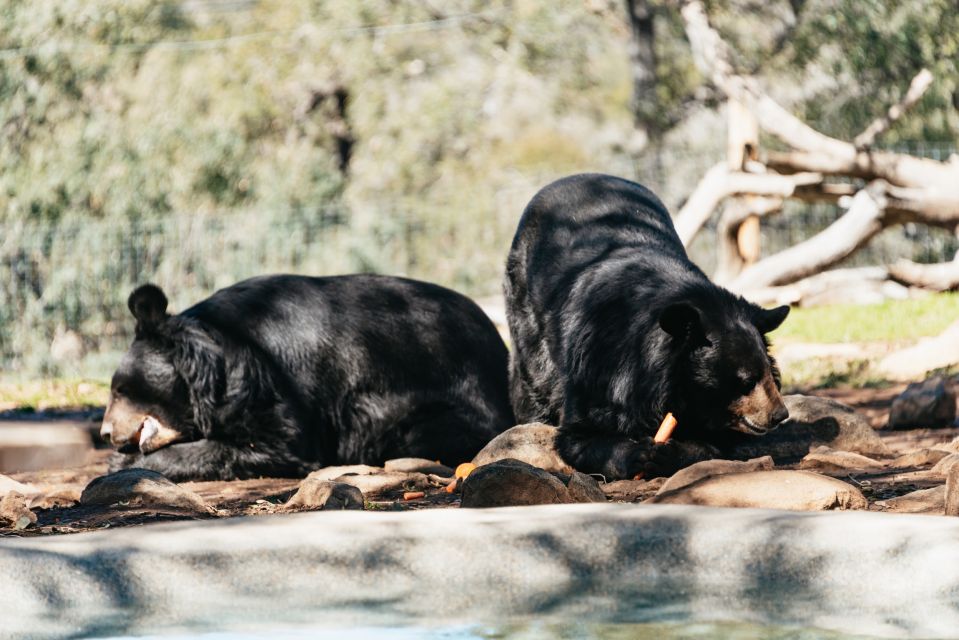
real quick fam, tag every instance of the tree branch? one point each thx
(880, 125)
(720, 183)
(856, 227)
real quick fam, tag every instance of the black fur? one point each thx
(612, 327)
(279, 375)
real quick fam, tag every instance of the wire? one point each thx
(212, 43)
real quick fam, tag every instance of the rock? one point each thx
(947, 464)
(383, 482)
(951, 447)
(931, 403)
(826, 460)
(707, 468)
(812, 422)
(8, 484)
(777, 489)
(584, 488)
(919, 458)
(14, 511)
(332, 473)
(533, 443)
(323, 494)
(508, 482)
(924, 501)
(631, 490)
(951, 502)
(419, 465)
(141, 488)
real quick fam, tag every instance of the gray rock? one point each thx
(383, 482)
(323, 494)
(506, 483)
(584, 488)
(927, 404)
(777, 489)
(14, 511)
(919, 458)
(419, 465)
(813, 422)
(141, 488)
(332, 473)
(924, 501)
(708, 468)
(826, 460)
(533, 443)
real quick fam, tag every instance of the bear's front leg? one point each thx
(617, 457)
(211, 460)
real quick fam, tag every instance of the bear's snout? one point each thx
(761, 410)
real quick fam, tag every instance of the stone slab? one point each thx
(855, 572)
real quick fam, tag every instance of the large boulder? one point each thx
(142, 488)
(708, 468)
(927, 404)
(812, 422)
(507, 483)
(533, 443)
(777, 489)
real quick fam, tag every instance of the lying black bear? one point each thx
(612, 327)
(280, 375)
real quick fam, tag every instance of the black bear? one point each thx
(280, 375)
(613, 327)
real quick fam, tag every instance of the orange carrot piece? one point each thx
(665, 431)
(413, 495)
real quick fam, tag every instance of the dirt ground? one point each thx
(59, 512)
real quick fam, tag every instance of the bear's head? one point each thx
(724, 376)
(168, 382)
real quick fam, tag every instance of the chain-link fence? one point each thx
(64, 284)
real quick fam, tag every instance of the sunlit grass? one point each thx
(57, 393)
(891, 321)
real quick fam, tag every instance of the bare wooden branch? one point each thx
(929, 354)
(719, 183)
(822, 153)
(839, 240)
(943, 276)
(809, 289)
(880, 125)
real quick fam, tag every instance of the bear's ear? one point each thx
(683, 322)
(148, 305)
(767, 320)
(198, 360)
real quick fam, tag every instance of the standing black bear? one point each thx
(280, 375)
(612, 327)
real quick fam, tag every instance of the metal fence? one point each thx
(63, 284)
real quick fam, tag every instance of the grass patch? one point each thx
(890, 321)
(41, 395)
